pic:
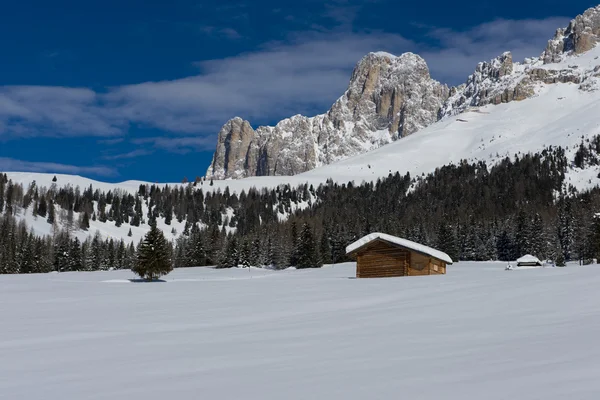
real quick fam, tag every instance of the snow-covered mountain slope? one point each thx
(390, 97)
(558, 114)
(478, 332)
(46, 180)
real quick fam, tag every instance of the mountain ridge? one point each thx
(390, 97)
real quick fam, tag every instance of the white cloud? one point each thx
(56, 111)
(131, 154)
(10, 164)
(303, 75)
(279, 80)
(183, 144)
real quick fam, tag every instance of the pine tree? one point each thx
(75, 261)
(230, 257)
(447, 241)
(42, 207)
(85, 221)
(153, 259)
(505, 248)
(308, 256)
(256, 255)
(325, 248)
(51, 216)
(523, 234)
(95, 253)
(2, 184)
(245, 255)
(197, 251)
(61, 254)
(537, 237)
(294, 251)
(121, 255)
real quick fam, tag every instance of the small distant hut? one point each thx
(379, 255)
(529, 261)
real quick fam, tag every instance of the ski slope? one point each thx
(478, 332)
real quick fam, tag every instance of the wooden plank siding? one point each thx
(380, 259)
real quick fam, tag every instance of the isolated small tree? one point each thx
(153, 258)
(54, 179)
(130, 234)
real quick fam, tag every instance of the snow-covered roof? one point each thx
(528, 258)
(440, 255)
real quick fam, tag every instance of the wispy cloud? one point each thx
(180, 145)
(10, 164)
(304, 75)
(110, 142)
(131, 154)
(56, 111)
(226, 32)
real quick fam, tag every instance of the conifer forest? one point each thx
(471, 211)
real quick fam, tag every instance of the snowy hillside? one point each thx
(477, 333)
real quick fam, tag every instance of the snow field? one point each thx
(478, 332)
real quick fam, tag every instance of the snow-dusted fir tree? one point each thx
(446, 240)
(308, 255)
(245, 255)
(75, 259)
(154, 256)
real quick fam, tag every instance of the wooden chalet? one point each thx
(379, 255)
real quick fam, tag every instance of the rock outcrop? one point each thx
(582, 34)
(493, 82)
(388, 97)
(391, 97)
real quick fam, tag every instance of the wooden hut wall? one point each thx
(419, 265)
(437, 267)
(382, 260)
(425, 265)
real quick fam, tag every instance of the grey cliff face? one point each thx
(582, 34)
(390, 97)
(492, 83)
(232, 147)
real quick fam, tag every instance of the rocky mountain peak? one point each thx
(389, 97)
(232, 144)
(582, 34)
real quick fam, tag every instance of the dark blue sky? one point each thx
(119, 90)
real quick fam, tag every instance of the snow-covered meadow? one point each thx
(479, 332)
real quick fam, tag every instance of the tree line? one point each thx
(470, 210)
